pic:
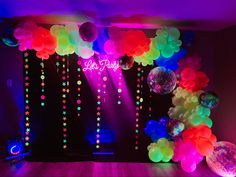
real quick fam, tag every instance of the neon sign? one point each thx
(100, 65)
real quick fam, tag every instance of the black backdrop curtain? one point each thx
(117, 124)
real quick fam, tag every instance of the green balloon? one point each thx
(174, 34)
(161, 42)
(167, 52)
(155, 154)
(208, 122)
(196, 120)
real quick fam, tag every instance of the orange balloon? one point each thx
(204, 146)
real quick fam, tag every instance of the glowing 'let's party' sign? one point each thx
(91, 65)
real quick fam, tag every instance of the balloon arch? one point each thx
(185, 136)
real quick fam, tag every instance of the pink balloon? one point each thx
(187, 154)
(110, 47)
(24, 35)
(188, 166)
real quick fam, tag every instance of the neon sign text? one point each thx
(101, 65)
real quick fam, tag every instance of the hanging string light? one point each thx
(57, 64)
(138, 103)
(150, 105)
(42, 77)
(119, 90)
(79, 83)
(27, 106)
(99, 100)
(65, 90)
(104, 87)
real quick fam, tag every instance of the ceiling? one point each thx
(186, 14)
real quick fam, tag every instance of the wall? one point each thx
(218, 52)
(224, 84)
(11, 94)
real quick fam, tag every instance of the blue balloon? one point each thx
(188, 38)
(98, 44)
(172, 62)
(157, 129)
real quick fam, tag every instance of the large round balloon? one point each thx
(209, 99)
(222, 160)
(8, 37)
(126, 62)
(161, 80)
(88, 32)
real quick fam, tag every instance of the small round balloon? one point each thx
(222, 160)
(88, 32)
(126, 62)
(209, 99)
(174, 127)
(154, 154)
(161, 80)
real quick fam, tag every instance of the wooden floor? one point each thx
(98, 169)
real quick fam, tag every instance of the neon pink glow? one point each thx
(101, 65)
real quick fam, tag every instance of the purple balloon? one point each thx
(88, 32)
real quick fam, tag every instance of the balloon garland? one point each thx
(185, 136)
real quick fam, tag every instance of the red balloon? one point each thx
(193, 80)
(201, 137)
(43, 42)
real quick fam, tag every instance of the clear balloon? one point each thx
(222, 160)
(88, 31)
(174, 127)
(209, 100)
(161, 80)
(8, 38)
(126, 62)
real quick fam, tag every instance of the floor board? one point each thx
(99, 169)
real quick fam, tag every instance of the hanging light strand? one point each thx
(42, 77)
(98, 114)
(119, 90)
(79, 83)
(138, 103)
(65, 90)
(27, 105)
